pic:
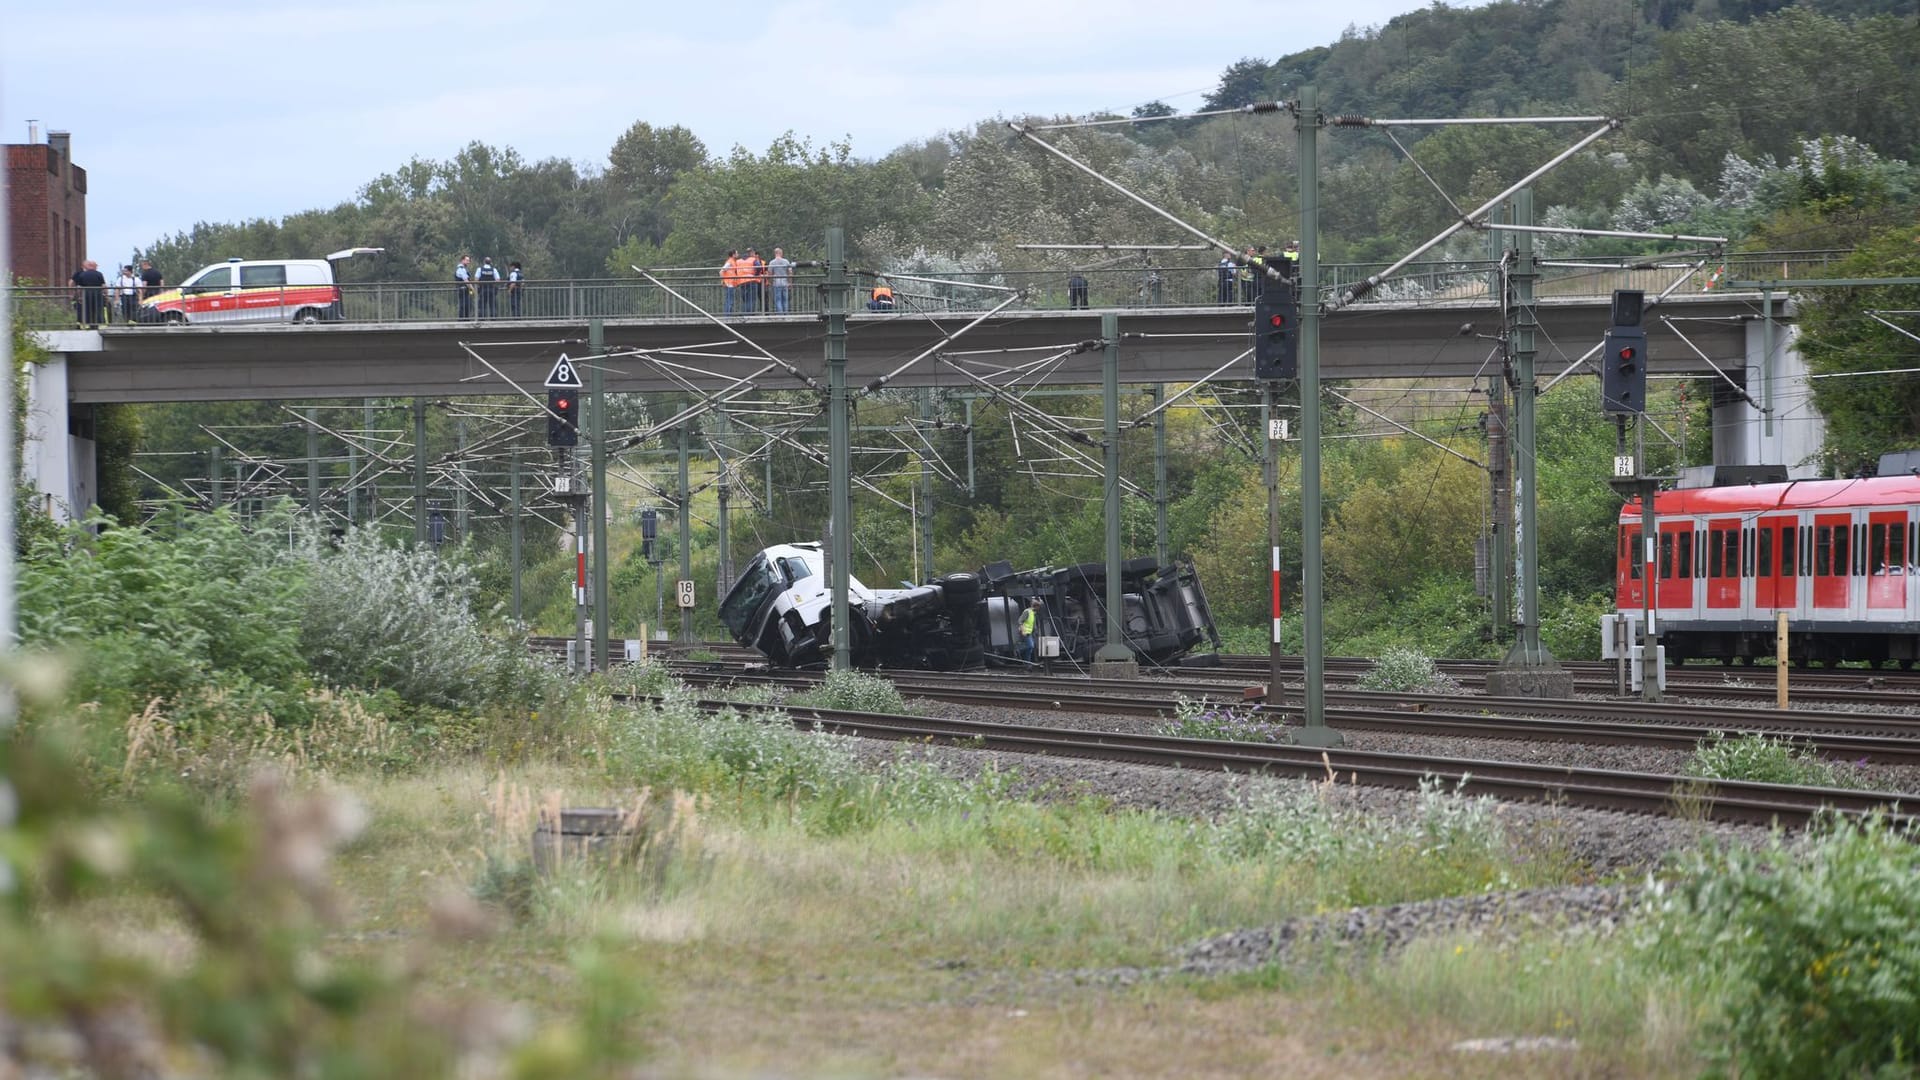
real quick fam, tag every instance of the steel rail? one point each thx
(1645, 793)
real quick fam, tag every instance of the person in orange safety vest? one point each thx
(882, 297)
(730, 280)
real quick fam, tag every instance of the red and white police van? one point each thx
(253, 290)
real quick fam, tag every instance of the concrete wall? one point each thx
(61, 466)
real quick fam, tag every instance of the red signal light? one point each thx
(562, 404)
(1277, 321)
(1626, 354)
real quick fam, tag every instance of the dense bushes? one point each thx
(1806, 952)
(381, 617)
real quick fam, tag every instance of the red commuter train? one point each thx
(1838, 556)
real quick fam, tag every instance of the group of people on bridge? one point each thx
(749, 283)
(1249, 272)
(478, 288)
(97, 300)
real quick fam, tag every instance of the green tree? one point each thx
(1843, 337)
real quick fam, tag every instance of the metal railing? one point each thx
(688, 292)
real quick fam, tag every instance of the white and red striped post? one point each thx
(1276, 595)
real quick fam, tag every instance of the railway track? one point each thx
(1878, 739)
(1643, 793)
(1852, 688)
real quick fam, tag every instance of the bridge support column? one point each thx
(1795, 438)
(58, 458)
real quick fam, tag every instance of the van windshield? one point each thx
(218, 279)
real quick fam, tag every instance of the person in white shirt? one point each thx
(126, 288)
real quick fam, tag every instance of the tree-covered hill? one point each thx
(1712, 91)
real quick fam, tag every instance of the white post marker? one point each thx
(684, 593)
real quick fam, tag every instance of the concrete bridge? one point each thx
(1430, 340)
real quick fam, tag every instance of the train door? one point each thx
(1776, 564)
(1832, 561)
(1886, 560)
(1675, 590)
(1723, 564)
(1628, 574)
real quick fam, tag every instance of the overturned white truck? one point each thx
(782, 607)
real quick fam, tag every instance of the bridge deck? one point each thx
(1438, 341)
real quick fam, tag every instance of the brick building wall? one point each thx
(46, 210)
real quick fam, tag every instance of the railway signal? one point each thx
(563, 418)
(1276, 341)
(1623, 370)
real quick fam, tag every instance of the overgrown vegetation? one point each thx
(856, 691)
(1805, 954)
(1406, 670)
(1205, 719)
(1768, 760)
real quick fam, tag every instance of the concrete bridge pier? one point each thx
(58, 459)
(1785, 429)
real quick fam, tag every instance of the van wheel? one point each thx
(176, 318)
(306, 315)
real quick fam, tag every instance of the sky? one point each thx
(182, 113)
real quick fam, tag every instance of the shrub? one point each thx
(157, 611)
(1205, 719)
(1764, 760)
(1807, 952)
(1407, 670)
(856, 691)
(381, 617)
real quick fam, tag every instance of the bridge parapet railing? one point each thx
(689, 292)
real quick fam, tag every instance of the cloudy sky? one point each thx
(183, 113)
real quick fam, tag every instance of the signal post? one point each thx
(563, 434)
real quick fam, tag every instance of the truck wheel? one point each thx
(962, 590)
(306, 315)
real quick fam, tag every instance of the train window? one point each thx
(1746, 552)
(1763, 547)
(1685, 550)
(1666, 556)
(1634, 558)
(1731, 541)
(1842, 563)
(1823, 550)
(1806, 551)
(1877, 550)
(1716, 566)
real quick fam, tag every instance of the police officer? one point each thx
(488, 287)
(463, 287)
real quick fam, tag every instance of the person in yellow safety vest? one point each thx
(1252, 269)
(882, 297)
(1029, 622)
(1292, 255)
(730, 280)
